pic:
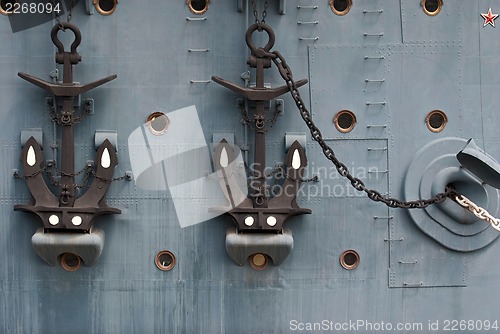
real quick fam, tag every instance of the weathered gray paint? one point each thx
(445, 62)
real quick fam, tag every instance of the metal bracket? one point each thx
(240, 246)
(217, 137)
(87, 246)
(279, 104)
(37, 134)
(87, 107)
(239, 6)
(89, 7)
(101, 136)
(282, 9)
(291, 137)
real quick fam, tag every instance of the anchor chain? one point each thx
(256, 14)
(286, 74)
(88, 169)
(374, 195)
(478, 211)
(68, 17)
(259, 123)
(356, 183)
(62, 120)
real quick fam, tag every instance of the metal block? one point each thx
(291, 137)
(218, 136)
(240, 246)
(282, 10)
(88, 106)
(239, 6)
(88, 246)
(279, 105)
(101, 135)
(35, 133)
(89, 7)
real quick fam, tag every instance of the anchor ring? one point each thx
(63, 26)
(65, 119)
(259, 27)
(259, 123)
(64, 199)
(259, 200)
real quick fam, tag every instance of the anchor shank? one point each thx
(260, 158)
(67, 155)
(67, 197)
(259, 74)
(260, 140)
(67, 69)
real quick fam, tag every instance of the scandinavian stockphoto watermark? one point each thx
(363, 326)
(354, 326)
(29, 14)
(169, 153)
(176, 158)
(329, 183)
(318, 181)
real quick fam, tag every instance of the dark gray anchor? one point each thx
(66, 213)
(259, 213)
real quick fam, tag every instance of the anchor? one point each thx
(259, 212)
(66, 213)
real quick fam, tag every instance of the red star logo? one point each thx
(489, 18)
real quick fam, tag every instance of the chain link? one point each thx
(52, 172)
(256, 14)
(478, 211)
(68, 17)
(18, 176)
(356, 183)
(277, 172)
(65, 119)
(259, 122)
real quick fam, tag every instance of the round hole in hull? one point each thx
(349, 259)
(70, 262)
(165, 260)
(258, 261)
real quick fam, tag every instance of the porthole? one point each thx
(165, 260)
(7, 6)
(349, 259)
(198, 6)
(258, 261)
(436, 120)
(157, 123)
(340, 7)
(345, 121)
(70, 262)
(432, 7)
(105, 7)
